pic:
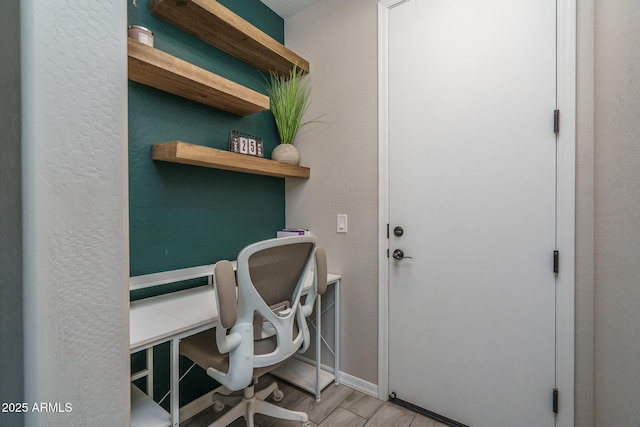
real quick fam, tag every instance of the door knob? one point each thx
(399, 254)
(398, 231)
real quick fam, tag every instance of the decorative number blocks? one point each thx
(240, 142)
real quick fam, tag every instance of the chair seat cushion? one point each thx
(202, 349)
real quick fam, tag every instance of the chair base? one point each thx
(254, 403)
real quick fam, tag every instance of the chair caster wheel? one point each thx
(218, 406)
(278, 395)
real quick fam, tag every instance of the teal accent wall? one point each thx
(182, 216)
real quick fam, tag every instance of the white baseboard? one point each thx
(358, 384)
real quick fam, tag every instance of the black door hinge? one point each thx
(555, 400)
(556, 121)
(556, 262)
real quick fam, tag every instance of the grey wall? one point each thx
(617, 213)
(584, 344)
(75, 211)
(339, 38)
(11, 329)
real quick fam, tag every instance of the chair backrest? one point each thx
(268, 324)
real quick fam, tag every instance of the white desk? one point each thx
(173, 316)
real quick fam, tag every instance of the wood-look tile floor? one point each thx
(340, 406)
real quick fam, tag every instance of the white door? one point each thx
(472, 182)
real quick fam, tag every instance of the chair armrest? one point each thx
(227, 342)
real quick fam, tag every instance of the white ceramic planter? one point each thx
(286, 153)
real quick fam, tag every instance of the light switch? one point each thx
(341, 223)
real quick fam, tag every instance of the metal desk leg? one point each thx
(149, 352)
(336, 325)
(318, 345)
(175, 382)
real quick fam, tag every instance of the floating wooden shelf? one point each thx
(198, 155)
(220, 27)
(160, 70)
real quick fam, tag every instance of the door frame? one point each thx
(565, 221)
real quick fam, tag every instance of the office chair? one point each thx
(261, 328)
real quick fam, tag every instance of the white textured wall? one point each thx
(11, 329)
(74, 168)
(617, 213)
(339, 38)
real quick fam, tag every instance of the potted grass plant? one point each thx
(289, 102)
